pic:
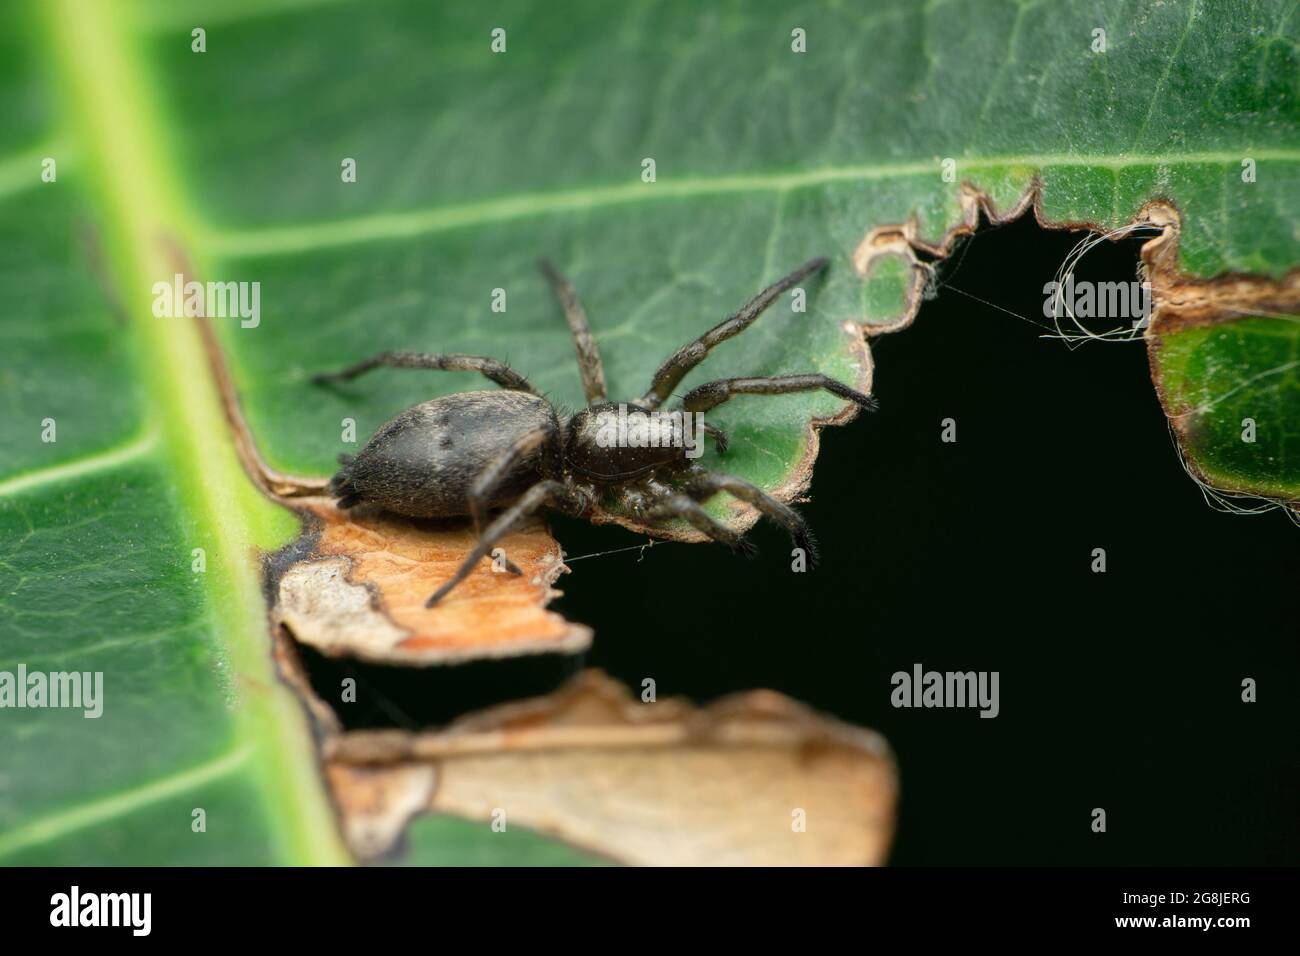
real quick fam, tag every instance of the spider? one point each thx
(472, 452)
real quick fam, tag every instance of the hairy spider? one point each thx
(467, 453)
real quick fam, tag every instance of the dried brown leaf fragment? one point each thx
(358, 590)
(752, 779)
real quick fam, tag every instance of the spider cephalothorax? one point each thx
(472, 452)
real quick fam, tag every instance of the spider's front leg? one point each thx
(720, 439)
(693, 353)
(556, 494)
(712, 394)
(705, 484)
(660, 504)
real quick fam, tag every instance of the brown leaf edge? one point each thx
(354, 585)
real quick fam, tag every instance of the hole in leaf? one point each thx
(973, 555)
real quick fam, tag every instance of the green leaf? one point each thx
(471, 164)
(439, 840)
(99, 525)
(1233, 393)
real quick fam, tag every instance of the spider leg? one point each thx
(491, 477)
(665, 504)
(688, 356)
(712, 394)
(490, 368)
(704, 484)
(543, 493)
(589, 364)
(719, 437)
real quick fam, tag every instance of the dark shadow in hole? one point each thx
(414, 698)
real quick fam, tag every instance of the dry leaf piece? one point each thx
(359, 591)
(753, 779)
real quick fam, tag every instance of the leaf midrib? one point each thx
(114, 118)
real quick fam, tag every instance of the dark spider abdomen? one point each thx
(422, 462)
